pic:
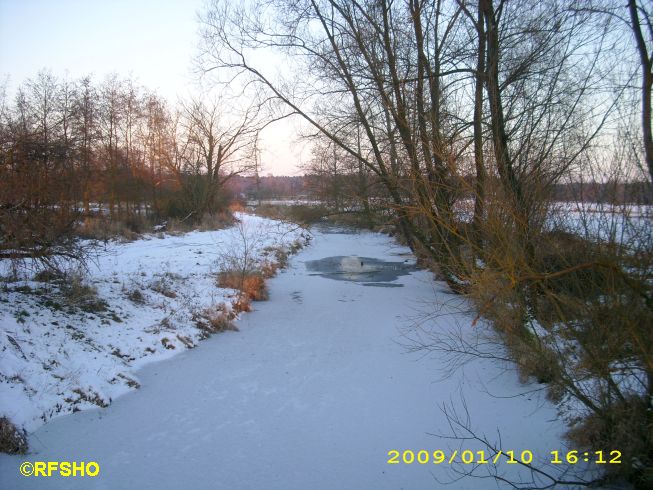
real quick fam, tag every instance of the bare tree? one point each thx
(211, 151)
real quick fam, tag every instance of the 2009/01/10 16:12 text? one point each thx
(468, 456)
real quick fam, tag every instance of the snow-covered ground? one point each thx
(313, 392)
(628, 224)
(57, 357)
(285, 202)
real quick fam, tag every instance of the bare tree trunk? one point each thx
(479, 194)
(362, 182)
(509, 179)
(647, 85)
(499, 137)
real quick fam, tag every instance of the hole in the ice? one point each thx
(365, 270)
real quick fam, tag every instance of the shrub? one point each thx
(251, 284)
(165, 342)
(89, 396)
(306, 214)
(12, 439)
(579, 262)
(575, 312)
(281, 256)
(236, 207)
(214, 320)
(230, 279)
(298, 213)
(254, 287)
(101, 227)
(48, 275)
(77, 293)
(241, 304)
(271, 211)
(216, 221)
(614, 429)
(163, 283)
(269, 269)
(136, 296)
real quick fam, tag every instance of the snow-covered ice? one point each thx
(312, 393)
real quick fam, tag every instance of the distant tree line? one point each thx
(319, 186)
(75, 150)
(269, 187)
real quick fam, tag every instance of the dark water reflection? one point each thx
(365, 270)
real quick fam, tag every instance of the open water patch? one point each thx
(364, 270)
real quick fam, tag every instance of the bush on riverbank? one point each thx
(12, 439)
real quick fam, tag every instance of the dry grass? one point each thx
(100, 227)
(269, 269)
(208, 222)
(89, 396)
(135, 296)
(165, 342)
(255, 288)
(48, 275)
(251, 284)
(242, 304)
(77, 293)
(236, 207)
(297, 213)
(218, 318)
(186, 341)
(12, 439)
(164, 284)
(218, 221)
(279, 260)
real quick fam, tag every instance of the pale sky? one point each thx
(153, 40)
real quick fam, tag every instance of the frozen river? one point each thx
(312, 393)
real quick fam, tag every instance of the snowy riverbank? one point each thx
(59, 357)
(314, 391)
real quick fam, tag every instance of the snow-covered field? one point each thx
(628, 224)
(56, 357)
(313, 392)
(285, 202)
